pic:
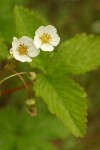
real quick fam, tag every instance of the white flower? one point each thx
(23, 48)
(46, 38)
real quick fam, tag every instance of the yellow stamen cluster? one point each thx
(45, 38)
(22, 49)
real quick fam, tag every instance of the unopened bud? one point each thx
(31, 108)
(32, 76)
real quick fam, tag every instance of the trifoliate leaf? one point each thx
(77, 55)
(66, 99)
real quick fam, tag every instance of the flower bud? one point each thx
(31, 107)
(32, 76)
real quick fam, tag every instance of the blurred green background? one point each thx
(70, 17)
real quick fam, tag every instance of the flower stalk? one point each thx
(16, 74)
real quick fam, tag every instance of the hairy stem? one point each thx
(16, 74)
(22, 79)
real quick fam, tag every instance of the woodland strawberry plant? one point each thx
(50, 64)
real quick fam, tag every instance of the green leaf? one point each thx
(41, 61)
(3, 49)
(38, 144)
(27, 22)
(7, 23)
(77, 55)
(20, 131)
(66, 99)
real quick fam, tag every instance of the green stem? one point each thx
(22, 79)
(16, 74)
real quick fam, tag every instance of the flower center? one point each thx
(45, 38)
(22, 49)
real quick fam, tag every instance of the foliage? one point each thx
(62, 104)
(3, 49)
(78, 55)
(22, 132)
(7, 23)
(54, 84)
(27, 22)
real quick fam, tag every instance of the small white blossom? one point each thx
(46, 38)
(23, 48)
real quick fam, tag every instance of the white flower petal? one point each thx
(16, 55)
(22, 58)
(55, 40)
(40, 30)
(33, 51)
(37, 42)
(47, 47)
(30, 49)
(50, 29)
(26, 58)
(25, 40)
(14, 38)
(11, 51)
(15, 43)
